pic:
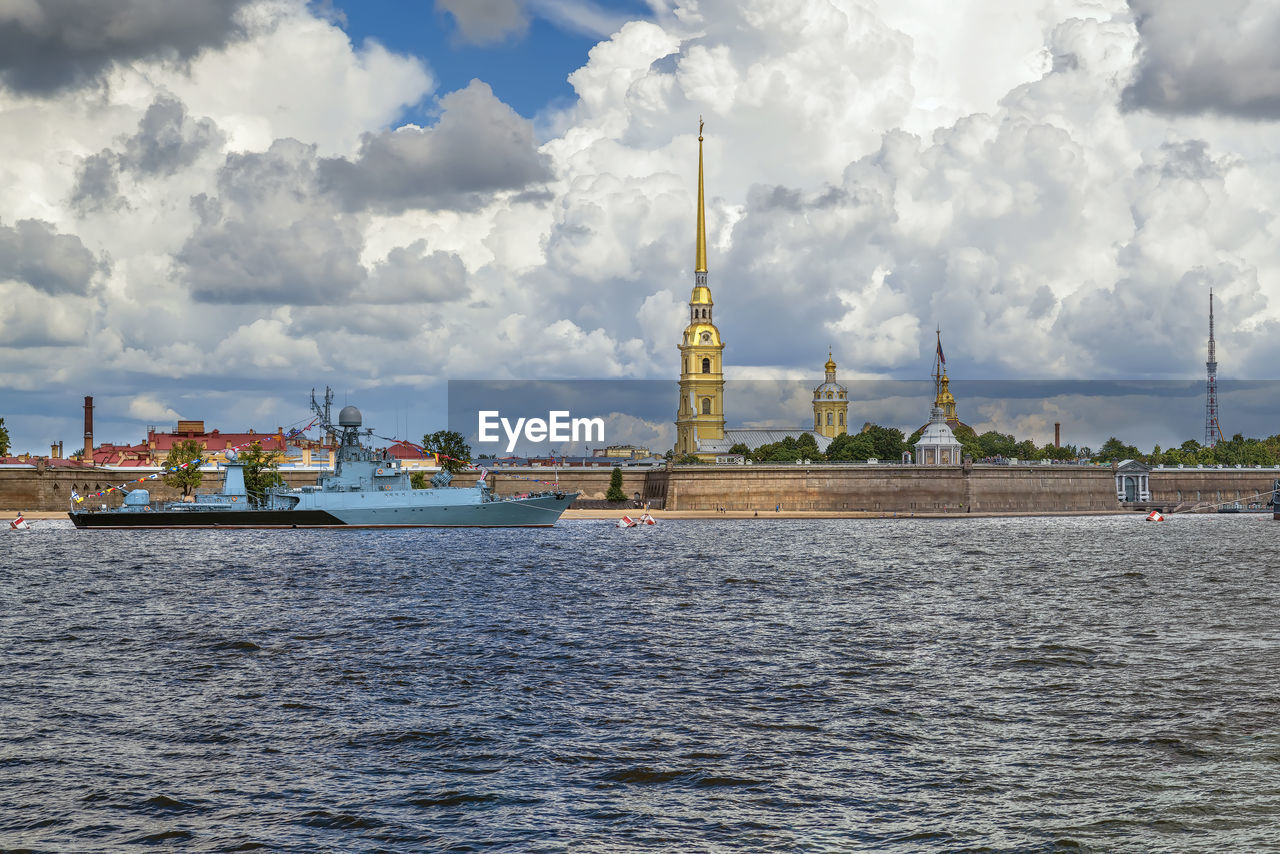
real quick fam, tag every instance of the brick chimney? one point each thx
(88, 430)
(1057, 434)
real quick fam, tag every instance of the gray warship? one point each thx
(367, 489)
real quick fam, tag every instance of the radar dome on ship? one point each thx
(349, 417)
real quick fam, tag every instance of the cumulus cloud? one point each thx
(411, 274)
(34, 319)
(32, 252)
(1207, 58)
(147, 407)
(266, 345)
(269, 236)
(167, 140)
(55, 44)
(479, 146)
(873, 170)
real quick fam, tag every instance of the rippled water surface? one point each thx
(893, 685)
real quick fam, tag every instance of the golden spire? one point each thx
(700, 263)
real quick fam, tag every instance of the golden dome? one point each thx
(946, 401)
(694, 333)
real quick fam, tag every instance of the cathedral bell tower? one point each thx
(830, 404)
(700, 416)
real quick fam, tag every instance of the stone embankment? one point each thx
(814, 490)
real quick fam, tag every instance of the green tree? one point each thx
(888, 442)
(1241, 451)
(687, 460)
(455, 451)
(187, 478)
(418, 480)
(857, 447)
(1053, 452)
(1026, 450)
(1113, 450)
(784, 451)
(261, 470)
(739, 448)
(4, 439)
(993, 444)
(788, 450)
(615, 492)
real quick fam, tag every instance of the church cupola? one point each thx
(830, 404)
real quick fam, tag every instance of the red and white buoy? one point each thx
(627, 522)
(646, 519)
(19, 524)
(1155, 516)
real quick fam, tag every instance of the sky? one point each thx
(209, 208)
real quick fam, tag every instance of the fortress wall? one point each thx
(1175, 486)
(1041, 489)
(761, 487)
(794, 487)
(592, 483)
(892, 488)
(50, 489)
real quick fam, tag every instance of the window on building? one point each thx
(828, 419)
(706, 406)
(841, 419)
(706, 366)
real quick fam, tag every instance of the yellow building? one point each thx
(623, 452)
(946, 401)
(700, 415)
(830, 404)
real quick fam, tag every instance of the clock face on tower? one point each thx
(706, 338)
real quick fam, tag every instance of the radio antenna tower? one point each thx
(1212, 431)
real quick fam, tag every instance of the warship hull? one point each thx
(367, 489)
(534, 512)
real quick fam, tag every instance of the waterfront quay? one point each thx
(849, 489)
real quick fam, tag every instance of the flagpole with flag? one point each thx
(939, 363)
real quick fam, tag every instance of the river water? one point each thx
(1072, 684)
